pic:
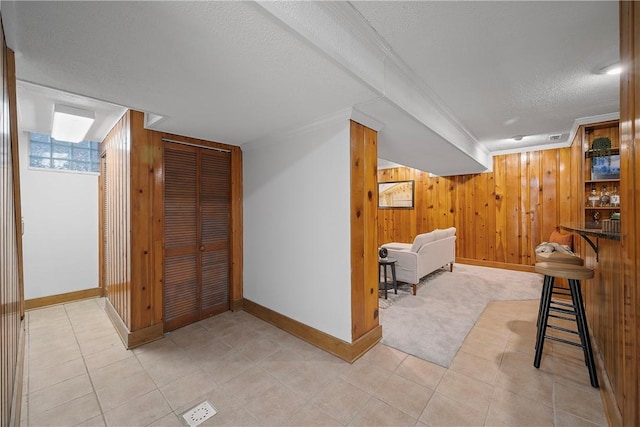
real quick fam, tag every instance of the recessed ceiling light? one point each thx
(511, 121)
(518, 137)
(71, 124)
(611, 69)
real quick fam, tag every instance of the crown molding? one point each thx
(581, 121)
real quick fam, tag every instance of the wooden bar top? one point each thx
(589, 229)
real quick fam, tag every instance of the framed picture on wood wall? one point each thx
(605, 167)
(396, 195)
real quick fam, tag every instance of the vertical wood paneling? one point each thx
(534, 208)
(524, 211)
(501, 216)
(629, 399)
(132, 250)
(491, 217)
(364, 257)
(479, 211)
(513, 200)
(115, 181)
(516, 207)
(500, 182)
(565, 195)
(11, 294)
(143, 234)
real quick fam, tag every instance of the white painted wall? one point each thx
(297, 251)
(60, 241)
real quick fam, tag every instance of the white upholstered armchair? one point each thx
(428, 252)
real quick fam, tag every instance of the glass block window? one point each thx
(48, 153)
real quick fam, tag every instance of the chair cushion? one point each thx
(422, 239)
(439, 234)
(563, 239)
(558, 257)
(447, 232)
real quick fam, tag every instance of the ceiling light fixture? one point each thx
(71, 124)
(611, 69)
(518, 137)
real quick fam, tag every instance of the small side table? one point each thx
(382, 264)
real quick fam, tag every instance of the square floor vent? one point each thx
(198, 414)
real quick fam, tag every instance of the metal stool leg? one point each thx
(544, 319)
(583, 330)
(393, 276)
(545, 283)
(385, 281)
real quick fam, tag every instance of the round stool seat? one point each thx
(559, 257)
(567, 271)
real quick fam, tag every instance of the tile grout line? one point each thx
(84, 362)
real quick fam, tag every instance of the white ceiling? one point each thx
(446, 83)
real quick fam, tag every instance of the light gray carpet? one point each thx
(433, 324)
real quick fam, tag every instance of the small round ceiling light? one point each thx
(612, 69)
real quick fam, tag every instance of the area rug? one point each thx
(433, 324)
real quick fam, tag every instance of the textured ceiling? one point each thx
(216, 70)
(449, 82)
(508, 68)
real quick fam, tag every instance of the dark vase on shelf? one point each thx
(605, 198)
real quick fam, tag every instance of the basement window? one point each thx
(46, 152)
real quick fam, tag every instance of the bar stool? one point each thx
(560, 258)
(574, 273)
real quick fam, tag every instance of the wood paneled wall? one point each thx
(628, 362)
(364, 257)
(500, 216)
(132, 181)
(115, 245)
(11, 290)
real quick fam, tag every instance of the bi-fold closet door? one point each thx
(197, 206)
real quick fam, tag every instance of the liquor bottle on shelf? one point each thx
(615, 197)
(593, 198)
(605, 198)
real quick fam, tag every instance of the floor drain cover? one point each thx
(199, 414)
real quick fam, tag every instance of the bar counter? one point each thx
(587, 230)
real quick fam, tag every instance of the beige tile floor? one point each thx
(78, 373)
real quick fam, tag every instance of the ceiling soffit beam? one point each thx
(315, 125)
(339, 31)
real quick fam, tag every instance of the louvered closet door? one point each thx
(215, 206)
(181, 249)
(197, 199)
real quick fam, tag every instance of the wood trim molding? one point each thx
(236, 305)
(607, 394)
(135, 338)
(34, 303)
(145, 335)
(349, 352)
(117, 322)
(503, 265)
(17, 197)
